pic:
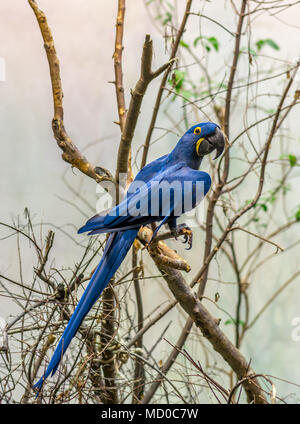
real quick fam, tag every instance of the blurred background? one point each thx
(34, 176)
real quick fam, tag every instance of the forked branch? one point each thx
(146, 76)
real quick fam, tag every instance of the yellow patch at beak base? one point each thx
(198, 144)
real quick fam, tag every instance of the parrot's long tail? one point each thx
(115, 251)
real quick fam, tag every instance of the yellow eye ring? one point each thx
(197, 130)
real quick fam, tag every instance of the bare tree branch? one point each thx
(71, 154)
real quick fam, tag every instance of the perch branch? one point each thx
(161, 253)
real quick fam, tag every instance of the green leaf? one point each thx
(272, 44)
(168, 18)
(196, 41)
(177, 80)
(267, 42)
(298, 215)
(248, 50)
(214, 42)
(183, 44)
(186, 94)
(292, 159)
(272, 196)
(269, 111)
(253, 52)
(207, 41)
(232, 321)
(259, 44)
(264, 207)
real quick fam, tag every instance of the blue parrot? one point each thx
(179, 170)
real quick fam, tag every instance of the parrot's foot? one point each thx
(185, 231)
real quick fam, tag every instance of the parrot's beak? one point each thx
(210, 143)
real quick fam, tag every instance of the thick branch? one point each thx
(161, 253)
(117, 56)
(110, 392)
(139, 367)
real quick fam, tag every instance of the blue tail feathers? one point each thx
(115, 251)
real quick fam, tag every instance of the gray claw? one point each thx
(186, 232)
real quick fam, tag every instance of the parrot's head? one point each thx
(200, 140)
(206, 138)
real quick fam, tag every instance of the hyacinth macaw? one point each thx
(181, 165)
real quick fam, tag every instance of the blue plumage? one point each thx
(144, 203)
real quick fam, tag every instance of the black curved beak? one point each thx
(215, 141)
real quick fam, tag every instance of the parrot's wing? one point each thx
(142, 205)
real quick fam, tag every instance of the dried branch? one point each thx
(211, 331)
(139, 370)
(108, 330)
(259, 237)
(117, 56)
(272, 298)
(146, 76)
(71, 154)
(163, 82)
(170, 360)
(217, 191)
(161, 253)
(209, 328)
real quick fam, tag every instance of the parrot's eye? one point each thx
(197, 130)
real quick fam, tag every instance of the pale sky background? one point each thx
(30, 163)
